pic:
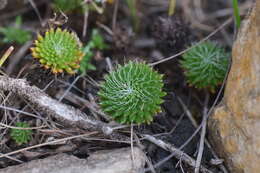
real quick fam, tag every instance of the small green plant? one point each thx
(132, 93)
(21, 136)
(58, 50)
(96, 43)
(205, 65)
(15, 33)
(236, 13)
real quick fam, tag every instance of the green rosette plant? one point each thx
(132, 93)
(59, 50)
(21, 136)
(205, 65)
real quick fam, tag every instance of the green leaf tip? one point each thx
(205, 65)
(59, 50)
(132, 93)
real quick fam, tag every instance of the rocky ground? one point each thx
(69, 126)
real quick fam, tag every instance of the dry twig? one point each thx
(201, 41)
(195, 124)
(66, 114)
(177, 153)
(202, 135)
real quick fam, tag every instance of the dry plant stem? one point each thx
(20, 11)
(65, 114)
(115, 15)
(187, 112)
(195, 124)
(148, 161)
(6, 55)
(85, 25)
(36, 11)
(177, 153)
(109, 64)
(198, 10)
(12, 158)
(69, 88)
(20, 128)
(201, 41)
(195, 20)
(105, 28)
(17, 57)
(132, 145)
(202, 135)
(48, 143)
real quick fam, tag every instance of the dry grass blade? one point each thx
(6, 55)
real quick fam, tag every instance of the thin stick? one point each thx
(85, 25)
(195, 124)
(202, 136)
(36, 11)
(12, 158)
(148, 160)
(132, 145)
(115, 15)
(47, 143)
(21, 128)
(195, 45)
(187, 112)
(69, 88)
(177, 153)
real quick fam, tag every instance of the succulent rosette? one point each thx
(132, 93)
(205, 65)
(58, 50)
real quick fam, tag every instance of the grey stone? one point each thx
(109, 161)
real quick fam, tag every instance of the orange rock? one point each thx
(235, 124)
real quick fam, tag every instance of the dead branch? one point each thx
(65, 114)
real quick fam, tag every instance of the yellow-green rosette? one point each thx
(58, 50)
